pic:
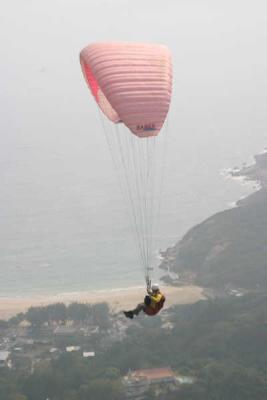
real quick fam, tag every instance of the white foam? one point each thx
(264, 151)
(232, 204)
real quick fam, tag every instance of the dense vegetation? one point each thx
(97, 314)
(222, 343)
(227, 248)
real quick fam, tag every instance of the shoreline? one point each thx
(253, 175)
(117, 299)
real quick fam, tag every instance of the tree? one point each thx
(37, 316)
(79, 311)
(57, 312)
(101, 316)
(3, 324)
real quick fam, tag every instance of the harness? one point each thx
(148, 310)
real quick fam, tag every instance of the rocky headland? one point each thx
(226, 253)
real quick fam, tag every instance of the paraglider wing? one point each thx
(131, 82)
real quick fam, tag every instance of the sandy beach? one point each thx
(118, 299)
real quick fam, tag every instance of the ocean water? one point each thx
(63, 222)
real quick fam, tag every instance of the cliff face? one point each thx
(229, 248)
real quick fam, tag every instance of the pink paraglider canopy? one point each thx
(131, 82)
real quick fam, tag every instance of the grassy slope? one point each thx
(229, 247)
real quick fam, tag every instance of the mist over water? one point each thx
(63, 225)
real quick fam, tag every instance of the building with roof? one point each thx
(138, 382)
(153, 375)
(88, 354)
(70, 349)
(67, 331)
(4, 359)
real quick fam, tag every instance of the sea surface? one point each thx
(64, 227)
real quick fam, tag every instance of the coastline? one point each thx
(254, 175)
(117, 299)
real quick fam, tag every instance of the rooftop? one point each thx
(4, 355)
(87, 354)
(65, 330)
(152, 374)
(72, 348)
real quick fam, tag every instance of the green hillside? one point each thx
(227, 248)
(220, 343)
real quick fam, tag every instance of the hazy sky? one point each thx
(220, 78)
(218, 47)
